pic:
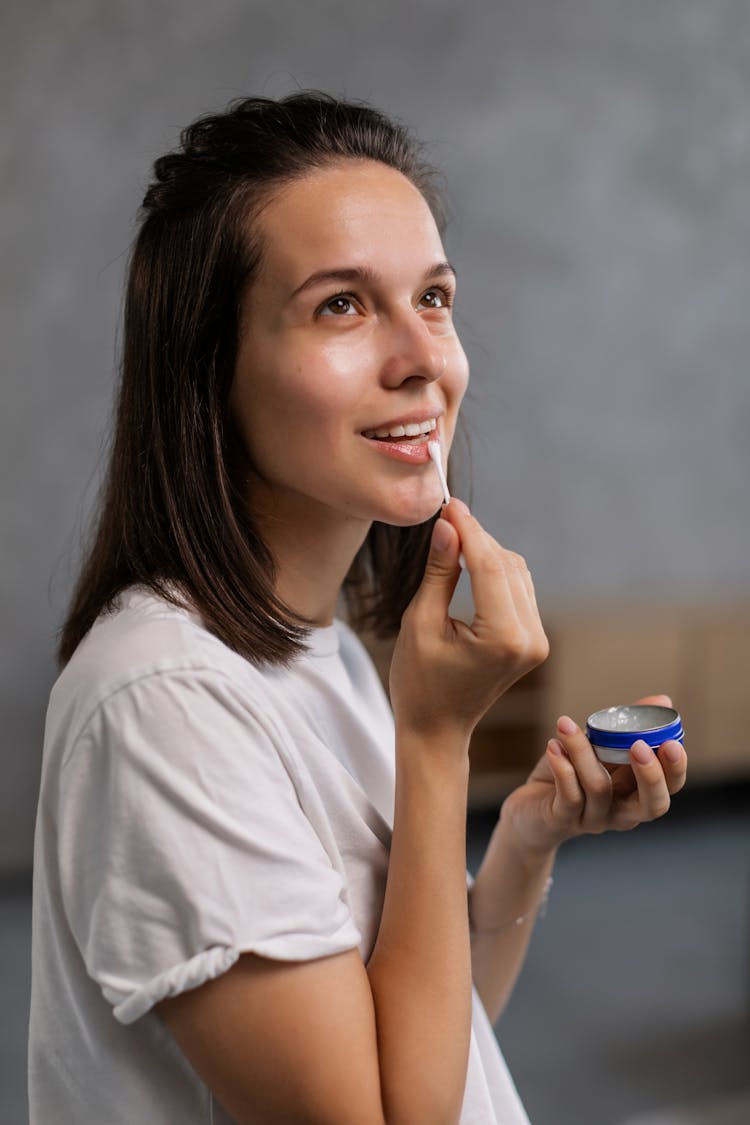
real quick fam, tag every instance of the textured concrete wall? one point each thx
(598, 157)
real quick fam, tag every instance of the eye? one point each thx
(436, 298)
(339, 305)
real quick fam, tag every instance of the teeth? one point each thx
(412, 429)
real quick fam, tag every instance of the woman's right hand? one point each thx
(445, 674)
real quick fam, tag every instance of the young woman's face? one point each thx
(347, 334)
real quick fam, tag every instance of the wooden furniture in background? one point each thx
(699, 654)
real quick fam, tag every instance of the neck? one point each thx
(313, 551)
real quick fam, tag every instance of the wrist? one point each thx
(532, 851)
(536, 907)
(433, 744)
(511, 885)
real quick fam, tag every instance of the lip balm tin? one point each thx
(613, 730)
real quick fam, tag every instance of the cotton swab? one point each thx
(433, 448)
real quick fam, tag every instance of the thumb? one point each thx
(442, 569)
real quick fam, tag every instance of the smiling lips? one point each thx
(405, 441)
(409, 430)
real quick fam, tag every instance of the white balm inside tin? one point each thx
(613, 730)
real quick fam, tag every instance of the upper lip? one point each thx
(417, 417)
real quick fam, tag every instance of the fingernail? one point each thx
(642, 752)
(555, 748)
(441, 535)
(672, 751)
(565, 725)
(460, 505)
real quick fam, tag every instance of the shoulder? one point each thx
(142, 639)
(141, 635)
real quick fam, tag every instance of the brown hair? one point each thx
(172, 515)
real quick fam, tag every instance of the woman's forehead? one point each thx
(353, 213)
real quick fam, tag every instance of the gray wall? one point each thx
(598, 158)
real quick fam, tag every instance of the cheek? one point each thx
(459, 376)
(454, 385)
(300, 398)
(326, 384)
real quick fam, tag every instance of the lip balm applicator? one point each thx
(433, 448)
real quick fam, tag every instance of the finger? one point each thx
(530, 635)
(529, 585)
(623, 779)
(506, 615)
(521, 592)
(489, 569)
(653, 794)
(569, 801)
(441, 572)
(505, 606)
(533, 618)
(656, 700)
(593, 778)
(623, 782)
(674, 763)
(521, 580)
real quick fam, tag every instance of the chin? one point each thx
(409, 514)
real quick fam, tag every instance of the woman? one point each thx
(238, 857)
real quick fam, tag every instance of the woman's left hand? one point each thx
(570, 792)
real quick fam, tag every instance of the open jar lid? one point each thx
(619, 727)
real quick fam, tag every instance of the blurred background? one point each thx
(597, 160)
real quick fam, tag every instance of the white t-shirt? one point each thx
(194, 807)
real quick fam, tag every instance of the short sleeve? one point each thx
(183, 843)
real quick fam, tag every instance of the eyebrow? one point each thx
(364, 275)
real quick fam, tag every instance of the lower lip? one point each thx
(412, 452)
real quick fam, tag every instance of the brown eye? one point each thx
(338, 306)
(435, 299)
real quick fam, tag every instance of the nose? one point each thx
(411, 352)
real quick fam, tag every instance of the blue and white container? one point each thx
(614, 730)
